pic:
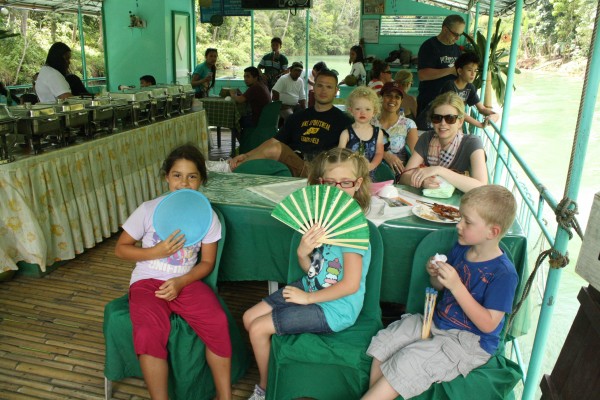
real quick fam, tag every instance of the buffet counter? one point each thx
(59, 203)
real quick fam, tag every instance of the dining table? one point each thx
(257, 246)
(61, 202)
(223, 112)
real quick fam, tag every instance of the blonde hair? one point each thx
(495, 204)
(403, 77)
(337, 155)
(451, 99)
(364, 92)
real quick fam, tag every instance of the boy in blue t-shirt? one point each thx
(479, 283)
(467, 66)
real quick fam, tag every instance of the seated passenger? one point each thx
(256, 97)
(316, 303)
(380, 74)
(357, 62)
(30, 98)
(51, 84)
(290, 90)
(311, 81)
(409, 103)
(401, 131)
(147, 80)
(478, 282)
(361, 137)
(446, 152)
(76, 85)
(306, 133)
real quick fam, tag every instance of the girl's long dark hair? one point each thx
(213, 68)
(56, 57)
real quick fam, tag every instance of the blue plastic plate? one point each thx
(187, 210)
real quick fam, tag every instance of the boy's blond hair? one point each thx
(364, 92)
(494, 203)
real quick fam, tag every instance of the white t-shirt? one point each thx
(290, 91)
(358, 70)
(139, 226)
(50, 84)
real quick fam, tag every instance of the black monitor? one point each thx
(275, 4)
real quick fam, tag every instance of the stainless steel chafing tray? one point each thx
(141, 102)
(100, 111)
(187, 92)
(37, 121)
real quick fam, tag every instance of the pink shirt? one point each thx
(139, 226)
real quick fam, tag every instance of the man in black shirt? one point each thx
(306, 133)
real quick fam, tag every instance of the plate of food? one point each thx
(436, 212)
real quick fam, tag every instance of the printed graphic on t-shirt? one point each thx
(448, 60)
(313, 127)
(180, 262)
(448, 305)
(325, 269)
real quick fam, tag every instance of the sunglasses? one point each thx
(450, 119)
(342, 184)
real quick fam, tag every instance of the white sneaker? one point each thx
(218, 166)
(258, 394)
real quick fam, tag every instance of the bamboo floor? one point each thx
(51, 342)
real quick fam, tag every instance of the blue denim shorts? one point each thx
(291, 318)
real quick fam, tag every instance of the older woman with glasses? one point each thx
(446, 152)
(380, 75)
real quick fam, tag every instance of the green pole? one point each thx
(476, 22)
(193, 38)
(252, 37)
(82, 42)
(580, 144)
(486, 57)
(306, 66)
(510, 78)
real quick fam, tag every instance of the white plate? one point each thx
(424, 212)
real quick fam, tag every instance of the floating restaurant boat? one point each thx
(85, 359)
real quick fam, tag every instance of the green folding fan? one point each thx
(338, 213)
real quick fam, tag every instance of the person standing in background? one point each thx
(357, 60)
(51, 84)
(274, 63)
(203, 77)
(436, 60)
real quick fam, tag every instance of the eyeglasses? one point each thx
(342, 184)
(456, 35)
(450, 119)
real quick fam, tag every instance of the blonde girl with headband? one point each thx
(320, 302)
(445, 151)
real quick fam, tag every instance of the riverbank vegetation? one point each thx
(556, 35)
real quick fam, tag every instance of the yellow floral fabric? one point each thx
(57, 204)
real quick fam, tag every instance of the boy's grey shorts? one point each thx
(411, 365)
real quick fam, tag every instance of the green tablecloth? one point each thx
(56, 204)
(257, 246)
(223, 113)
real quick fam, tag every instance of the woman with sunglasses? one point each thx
(446, 152)
(380, 75)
